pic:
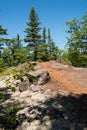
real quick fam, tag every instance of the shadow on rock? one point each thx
(59, 113)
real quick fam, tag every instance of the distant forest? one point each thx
(41, 46)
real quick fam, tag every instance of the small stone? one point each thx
(23, 86)
(35, 88)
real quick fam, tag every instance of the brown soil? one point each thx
(70, 79)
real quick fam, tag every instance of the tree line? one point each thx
(77, 41)
(40, 45)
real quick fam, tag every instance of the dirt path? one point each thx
(65, 79)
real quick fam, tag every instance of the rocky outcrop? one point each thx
(42, 76)
(34, 80)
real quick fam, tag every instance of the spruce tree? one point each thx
(2, 32)
(43, 48)
(32, 32)
(52, 49)
(44, 37)
(50, 44)
(49, 36)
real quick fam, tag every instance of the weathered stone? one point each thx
(37, 73)
(33, 63)
(35, 88)
(23, 86)
(44, 78)
(42, 75)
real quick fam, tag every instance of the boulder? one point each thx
(23, 86)
(42, 76)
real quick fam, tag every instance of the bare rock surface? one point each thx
(47, 106)
(35, 88)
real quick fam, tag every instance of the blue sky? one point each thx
(52, 13)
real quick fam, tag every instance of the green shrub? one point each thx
(29, 68)
(65, 57)
(82, 61)
(14, 71)
(31, 78)
(2, 97)
(10, 119)
(11, 88)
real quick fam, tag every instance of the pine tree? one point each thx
(32, 32)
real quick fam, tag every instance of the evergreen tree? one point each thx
(2, 32)
(43, 48)
(44, 37)
(43, 53)
(49, 36)
(32, 32)
(51, 46)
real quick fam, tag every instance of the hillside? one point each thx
(54, 98)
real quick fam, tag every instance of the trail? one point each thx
(60, 80)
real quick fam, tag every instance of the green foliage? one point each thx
(21, 56)
(43, 53)
(49, 36)
(65, 57)
(32, 78)
(11, 52)
(77, 41)
(82, 60)
(10, 119)
(7, 81)
(1, 65)
(10, 88)
(44, 37)
(29, 68)
(53, 51)
(32, 32)
(2, 97)
(2, 32)
(7, 58)
(14, 71)
(19, 74)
